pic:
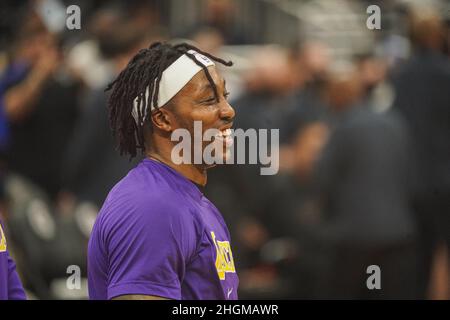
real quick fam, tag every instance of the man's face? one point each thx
(197, 102)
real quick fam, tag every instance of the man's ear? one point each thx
(163, 120)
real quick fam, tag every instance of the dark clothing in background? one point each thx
(423, 97)
(286, 113)
(255, 111)
(422, 87)
(93, 165)
(38, 141)
(293, 213)
(365, 177)
(258, 110)
(366, 181)
(13, 74)
(348, 275)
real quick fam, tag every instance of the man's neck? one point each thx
(194, 173)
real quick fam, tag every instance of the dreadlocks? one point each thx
(142, 73)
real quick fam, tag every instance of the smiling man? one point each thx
(157, 236)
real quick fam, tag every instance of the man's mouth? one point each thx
(226, 137)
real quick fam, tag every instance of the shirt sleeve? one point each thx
(15, 288)
(148, 249)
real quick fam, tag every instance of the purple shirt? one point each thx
(10, 285)
(157, 234)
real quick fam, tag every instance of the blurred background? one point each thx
(364, 119)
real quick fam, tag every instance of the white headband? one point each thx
(173, 79)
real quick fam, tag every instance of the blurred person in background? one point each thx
(423, 98)
(377, 91)
(30, 45)
(39, 104)
(269, 101)
(363, 176)
(40, 109)
(219, 15)
(309, 63)
(86, 58)
(293, 215)
(91, 180)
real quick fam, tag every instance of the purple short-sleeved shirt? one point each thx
(157, 234)
(10, 285)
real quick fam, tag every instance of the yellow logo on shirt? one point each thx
(224, 259)
(2, 240)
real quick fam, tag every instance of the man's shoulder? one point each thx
(142, 183)
(142, 196)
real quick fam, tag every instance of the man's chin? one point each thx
(225, 158)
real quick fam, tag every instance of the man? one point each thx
(31, 98)
(364, 178)
(10, 285)
(156, 235)
(423, 98)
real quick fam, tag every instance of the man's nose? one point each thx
(227, 112)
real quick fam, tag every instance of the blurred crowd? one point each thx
(364, 153)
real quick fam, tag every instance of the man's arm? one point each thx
(142, 264)
(22, 97)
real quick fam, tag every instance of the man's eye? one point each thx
(210, 100)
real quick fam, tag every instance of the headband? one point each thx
(173, 79)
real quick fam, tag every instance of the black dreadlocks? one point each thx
(144, 71)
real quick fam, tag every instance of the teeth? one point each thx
(226, 132)
(225, 136)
